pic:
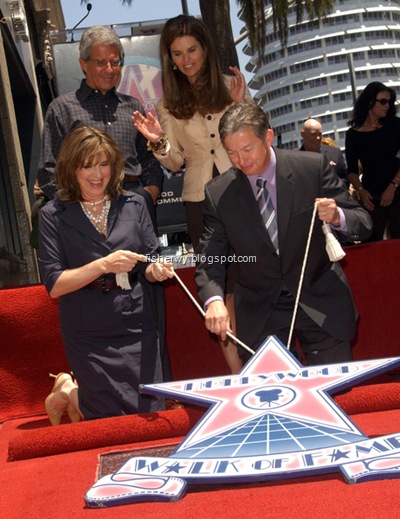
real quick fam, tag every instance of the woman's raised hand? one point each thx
(238, 85)
(148, 126)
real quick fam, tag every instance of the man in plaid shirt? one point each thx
(97, 103)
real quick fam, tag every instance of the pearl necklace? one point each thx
(94, 204)
(99, 221)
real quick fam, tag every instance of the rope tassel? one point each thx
(333, 247)
(122, 280)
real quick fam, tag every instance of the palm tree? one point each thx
(253, 15)
(216, 15)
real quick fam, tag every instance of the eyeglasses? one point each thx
(103, 63)
(384, 102)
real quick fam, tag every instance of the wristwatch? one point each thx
(395, 185)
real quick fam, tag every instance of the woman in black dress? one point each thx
(97, 253)
(373, 150)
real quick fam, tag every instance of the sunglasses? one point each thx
(384, 102)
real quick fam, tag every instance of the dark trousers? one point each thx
(194, 217)
(194, 221)
(386, 218)
(317, 345)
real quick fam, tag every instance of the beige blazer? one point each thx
(195, 142)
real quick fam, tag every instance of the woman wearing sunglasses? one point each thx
(372, 153)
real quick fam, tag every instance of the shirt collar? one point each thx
(269, 174)
(86, 91)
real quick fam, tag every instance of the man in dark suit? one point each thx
(268, 278)
(311, 134)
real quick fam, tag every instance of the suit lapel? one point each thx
(74, 216)
(284, 193)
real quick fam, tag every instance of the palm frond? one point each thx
(253, 14)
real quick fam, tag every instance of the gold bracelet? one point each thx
(158, 146)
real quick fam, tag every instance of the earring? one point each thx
(174, 67)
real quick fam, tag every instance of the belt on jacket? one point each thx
(105, 284)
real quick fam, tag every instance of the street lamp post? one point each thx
(184, 7)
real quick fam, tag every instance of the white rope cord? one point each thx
(303, 268)
(229, 334)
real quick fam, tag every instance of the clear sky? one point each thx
(106, 12)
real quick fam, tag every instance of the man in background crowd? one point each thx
(311, 134)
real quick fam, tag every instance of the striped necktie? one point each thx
(267, 211)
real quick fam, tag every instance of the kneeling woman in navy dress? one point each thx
(96, 244)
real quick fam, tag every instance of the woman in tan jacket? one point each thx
(196, 95)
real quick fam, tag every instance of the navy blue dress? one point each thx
(111, 339)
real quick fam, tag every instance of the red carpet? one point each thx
(31, 348)
(101, 433)
(31, 343)
(53, 487)
(52, 468)
(29, 439)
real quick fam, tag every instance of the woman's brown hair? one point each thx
(209, 94)
(80, 148)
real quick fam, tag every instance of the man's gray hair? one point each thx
(241, 115)
(99, 35)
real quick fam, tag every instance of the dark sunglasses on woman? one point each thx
(383, 102)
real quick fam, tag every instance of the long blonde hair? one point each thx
(80, 147)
